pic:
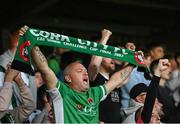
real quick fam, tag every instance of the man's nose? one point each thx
(85, 72)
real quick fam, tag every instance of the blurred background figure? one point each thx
(174, 83)
(156, 50)
(54, 59)
(151, 52)
(7, 57)
(38, 79)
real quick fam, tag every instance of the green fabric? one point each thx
(38, 37)
(7, 119)
(53, 63)
(80, 107)
(13, 101)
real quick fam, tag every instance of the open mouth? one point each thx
(85, 80)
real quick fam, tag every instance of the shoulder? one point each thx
(99, 80)
(130, 118)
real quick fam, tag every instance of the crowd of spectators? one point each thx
(71, 87)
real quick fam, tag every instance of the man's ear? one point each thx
(67, 78)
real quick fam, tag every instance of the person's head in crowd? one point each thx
(172, 61)
(68, 58)
(130, 45)
(13, 40)
(138, 93)
(38, 79)
(43, 98)
(177, 59)
(165, 75)
(60, 51)
(107, 65)
(155, 117)
(156, 50)
(118, 63)
(147, 57)
(76, 76)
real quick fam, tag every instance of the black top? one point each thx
(170, 110)
(145, 71)
(109, 109)
(150, 99)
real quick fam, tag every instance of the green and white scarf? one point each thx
(39, 37)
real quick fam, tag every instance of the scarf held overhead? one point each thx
(32, 37)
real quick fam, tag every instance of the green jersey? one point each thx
(70, 106)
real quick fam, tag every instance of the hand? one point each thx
(105, 35)
(23, 30)
(130, 46)
(10, 74)
(162, 66)
(19, 81)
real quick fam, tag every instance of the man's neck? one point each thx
(104, 72)
(75, 88)
(162, 82)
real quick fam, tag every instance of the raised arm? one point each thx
(95, 63)
(41, 63)
(22, 112)
(152, 90)
(118, 78)
(6, 90)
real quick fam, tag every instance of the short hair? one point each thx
(67, 69)
(169, 56)
(154, 65)
(153, 45)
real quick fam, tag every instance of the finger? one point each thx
(21, 33)
(164, 61)
(26, 27)
(169, 64)
(141, 53)
(163, 68)
(23, 29)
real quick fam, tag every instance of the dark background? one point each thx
(141, 21)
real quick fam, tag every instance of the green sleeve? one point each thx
(62, 87)
(54, 65)
(99, 92)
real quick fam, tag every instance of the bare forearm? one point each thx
(5, 96)
(93, 68)
(41, 63)
(95, 63)
(118, 78)
(105, 38)
(39, 58)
